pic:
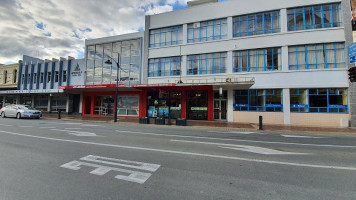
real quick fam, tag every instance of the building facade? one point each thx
(283, 60)
(39, 83)
(8, 81)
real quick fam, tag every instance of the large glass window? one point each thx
(213, 63)
(197, 105)
(166, 36)
(257, 60)
(207, 30)
(164, 103)
(317, 56)
(127, 53)
(319, 100)
(41, 102)
(59, 103)
(256, 24)
(164, 66)
(128, 105)
(259, 100)
(314, 17)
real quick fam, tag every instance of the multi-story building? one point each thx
(284, 60)
(39, 83)
(8, 81)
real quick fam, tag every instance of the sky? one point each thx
(58, 28)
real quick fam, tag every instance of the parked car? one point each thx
(20, 111)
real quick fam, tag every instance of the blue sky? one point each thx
(58, 28)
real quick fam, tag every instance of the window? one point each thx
(166, 36)
(42, 77)
(256, 24)
(58, 103)
(257, 60)
(64, 76)
(207, 30)
(56, 77)
(319, 100)
(258, 100)
(23, 79)
(213, 63)
(48, 77)
(314, 17)
(34, 78)
(15, 76)
(164, 67)
(317, 56)
(128, 105)
(28, 78)
(5, 77)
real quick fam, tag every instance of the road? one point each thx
(54, 159)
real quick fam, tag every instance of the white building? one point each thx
(285, 60)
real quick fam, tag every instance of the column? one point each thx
(284, 21)
(284, 55)
(81, 103)
(229, 30)
(230, 104)
(49, 103)
(229, 62)
(185, 34)
(33, 101)
(286, 106)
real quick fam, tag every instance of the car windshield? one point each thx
(26, 108)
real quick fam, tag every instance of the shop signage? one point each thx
(156, 103)
(31, 91)
(337, 106)
(274, 105)
(240, 105)
(154, 85)
(175, 108)
(299, 106)
(198, 108)
(77, 71)
(90, 86)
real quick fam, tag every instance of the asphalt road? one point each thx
(54, 159)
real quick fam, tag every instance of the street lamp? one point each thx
(117, 81)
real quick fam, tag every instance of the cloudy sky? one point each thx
(57, 28)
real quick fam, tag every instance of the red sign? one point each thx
(90, 86)
(154, 85)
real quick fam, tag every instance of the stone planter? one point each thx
(144, 120)
(160, 121)
(181, 122)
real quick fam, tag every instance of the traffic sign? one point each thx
(352, 59)
(352, 50)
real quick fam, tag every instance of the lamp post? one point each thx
(117, 81)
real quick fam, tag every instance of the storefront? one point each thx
(169, 100)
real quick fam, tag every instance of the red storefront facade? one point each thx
(148, 100)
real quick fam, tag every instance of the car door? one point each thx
(12, 111)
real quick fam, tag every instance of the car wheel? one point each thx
(18, 115)
(3, 115)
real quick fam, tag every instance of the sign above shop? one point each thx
(77, 71)
(90, 86)
(154, 85)
(32, 91)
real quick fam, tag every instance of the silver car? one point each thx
(20, 111)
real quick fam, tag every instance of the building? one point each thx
(101, 78)
(8, 81)
(238, 60)
(39, 83)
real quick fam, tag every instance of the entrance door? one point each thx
(220, 109)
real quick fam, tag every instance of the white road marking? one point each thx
(118, 162)
(134, 176)
(300, 136)
(90, 125)
(25, 126)
(5, 125)
(187, 153)
(77, 133)
(252, 149)
(233, 132)
(73, 128)
(48, 127)
(238, 140)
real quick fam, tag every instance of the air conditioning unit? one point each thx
(196, 25)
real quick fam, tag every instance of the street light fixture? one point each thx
(117, 81)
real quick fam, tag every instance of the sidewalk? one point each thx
(216, 124)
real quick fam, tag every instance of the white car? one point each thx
(20, 111)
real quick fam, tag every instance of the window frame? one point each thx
(258, 93)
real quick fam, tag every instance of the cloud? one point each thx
(57, 28)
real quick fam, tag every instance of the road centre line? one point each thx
(187, 153)
(238, 140)
(72, 128)
(48, 127)
(5, 125)
(25, 126)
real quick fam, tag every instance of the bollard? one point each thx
(260, 122)
(59, 114)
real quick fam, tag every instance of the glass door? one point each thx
(220, 109)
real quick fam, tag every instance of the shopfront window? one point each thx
(41, 102)
(128, 105)
(164, 103)
(197, 105)
(104, 105)
(59, 103)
